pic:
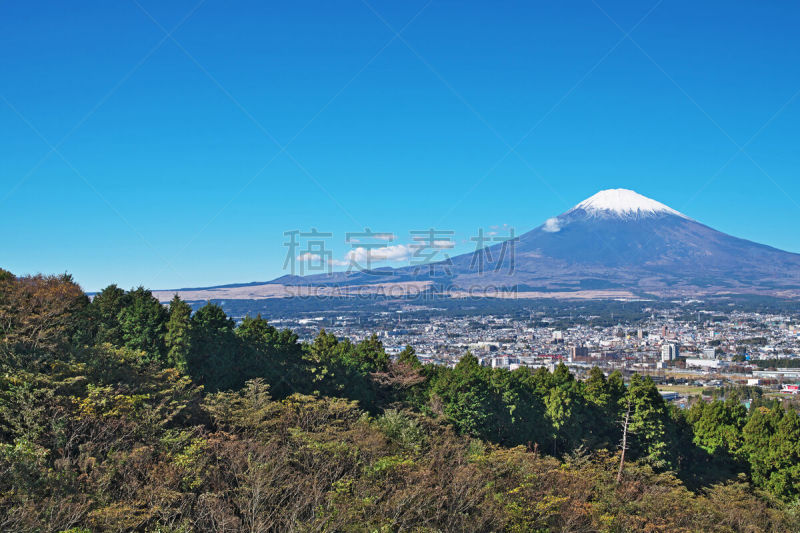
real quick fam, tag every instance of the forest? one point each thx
(118, 413)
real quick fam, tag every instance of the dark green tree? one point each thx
(758, 431)
(467, 398)
(370, 355)
(275, 356)
(560, 404)
(340, 368)
(602, 403)
(143, 323)
(772, 444)
(177, 337)
(105, 312)
(212, 360)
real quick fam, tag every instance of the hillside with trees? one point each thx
(120, 414)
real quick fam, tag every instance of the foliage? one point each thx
(118, 415)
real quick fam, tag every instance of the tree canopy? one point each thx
(121, 414)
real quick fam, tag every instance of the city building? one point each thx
(577, 353)
(669, 352)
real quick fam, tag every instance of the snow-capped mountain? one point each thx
(623, 203)
(616, 243)
(621, 240)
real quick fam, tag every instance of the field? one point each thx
(686, 390)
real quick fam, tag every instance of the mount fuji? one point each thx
(619, 239)
(615, 244)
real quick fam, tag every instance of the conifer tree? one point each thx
(649, 423)
(143, 323)
(177, 336)
(104, 310)
(212, 358)
(409, 357)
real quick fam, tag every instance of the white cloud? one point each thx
(361, 256)
(397, 252)
(317, 259)
(552, 225)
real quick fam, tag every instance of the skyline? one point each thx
(180, 167)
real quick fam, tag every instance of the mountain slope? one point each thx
(616, 241)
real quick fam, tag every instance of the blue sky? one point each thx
(132, 156)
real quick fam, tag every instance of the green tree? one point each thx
(409, 357)
(212, 360)
(370, 355)
(177, 337)
(518, 412)
(596, 389)
(105, 310)
(143, 324)
(772, 444)
(649, 428)
(324, 357)
(467, 398)
(717, 426)
(785, 457)
(340, 368)
(559, 411)
(760, 427)
(603, 406)
(275, 356)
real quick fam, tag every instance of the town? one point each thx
(683, 354)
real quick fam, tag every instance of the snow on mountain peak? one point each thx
(623, 203)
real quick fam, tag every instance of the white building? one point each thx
(704, 363)
(669, 352)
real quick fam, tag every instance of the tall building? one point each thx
(669, 352)
(576, 352)
(709, 353)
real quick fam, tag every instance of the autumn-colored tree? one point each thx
(41, 317)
